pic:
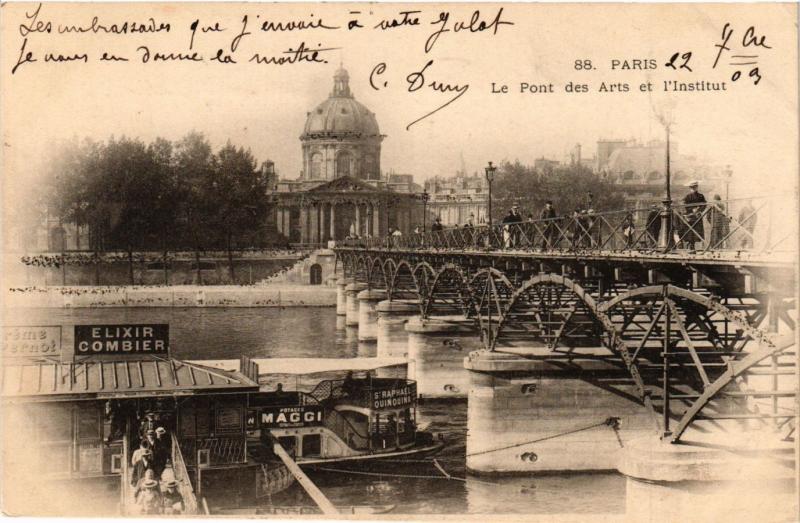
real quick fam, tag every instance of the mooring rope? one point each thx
(612, 422)
(406, 476)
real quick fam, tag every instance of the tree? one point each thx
(133, 195)
(164, 206)
(135, 184)
(568, 187)
(194, 169)
(238, 190)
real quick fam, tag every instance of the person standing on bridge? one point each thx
(437, 225)
(719, 221)
(396, 234)
(550, 232)
(748, 217)
(653, 225)
(628, 230)
(511, 227)
(695, 204)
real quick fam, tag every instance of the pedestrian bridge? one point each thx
(696, 303)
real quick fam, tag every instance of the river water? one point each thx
(217, 333)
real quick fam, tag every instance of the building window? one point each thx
(312, 445)
(343, 164)
(316, 166)
(369, 167)
(315, 274)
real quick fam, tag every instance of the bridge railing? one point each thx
(747, 224)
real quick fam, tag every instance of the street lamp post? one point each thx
(490, 169)
(665, 239)
(728, 176)
(425, 197)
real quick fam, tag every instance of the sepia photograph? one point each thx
(388, 261)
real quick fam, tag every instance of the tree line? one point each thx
(160, 195)
(569, 187)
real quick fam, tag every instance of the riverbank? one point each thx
(277, 295)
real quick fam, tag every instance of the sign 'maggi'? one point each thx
(31, 341)
(122, 340)
(286, 417)
(394, 397)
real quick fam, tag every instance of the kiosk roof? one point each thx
(120, 378)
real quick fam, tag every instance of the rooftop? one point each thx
(101, 379)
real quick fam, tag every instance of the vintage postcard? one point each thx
(476, 261)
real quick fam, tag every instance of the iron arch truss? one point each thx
(692, 356)
(704, 360)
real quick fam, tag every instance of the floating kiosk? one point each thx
(74, 421)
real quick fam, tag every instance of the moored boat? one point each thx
(352, 422)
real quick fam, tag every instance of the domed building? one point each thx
(341, 137)
(341, 191)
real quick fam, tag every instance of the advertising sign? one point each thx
(394, 397)
(31, 341)
(122, 340)
(229, 420)
(285, 417)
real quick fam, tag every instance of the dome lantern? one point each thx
(341, 84)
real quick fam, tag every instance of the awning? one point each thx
(119, 378)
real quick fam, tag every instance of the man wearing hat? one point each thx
(511, 227)
(139, 487)
(149, 499)
(141, 467)
(695, 205)
(550, 230)
(162, 450)
(172, 499)
(654, 225)
(137, 454)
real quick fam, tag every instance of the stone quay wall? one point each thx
(214, 270)
(172, 296)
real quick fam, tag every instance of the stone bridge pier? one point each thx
(352, 305)
(436, 346)
(341, 295)
(530, 411)
(368, 314)
(392, 318)
(733, 477)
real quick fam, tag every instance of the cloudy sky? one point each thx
(263, 107)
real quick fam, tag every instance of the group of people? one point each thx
(689, 231)
(585, 229)
(153, 479)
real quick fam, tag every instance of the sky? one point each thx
(753, 128)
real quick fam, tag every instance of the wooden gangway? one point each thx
(176, 470)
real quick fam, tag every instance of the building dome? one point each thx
(341, 114)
